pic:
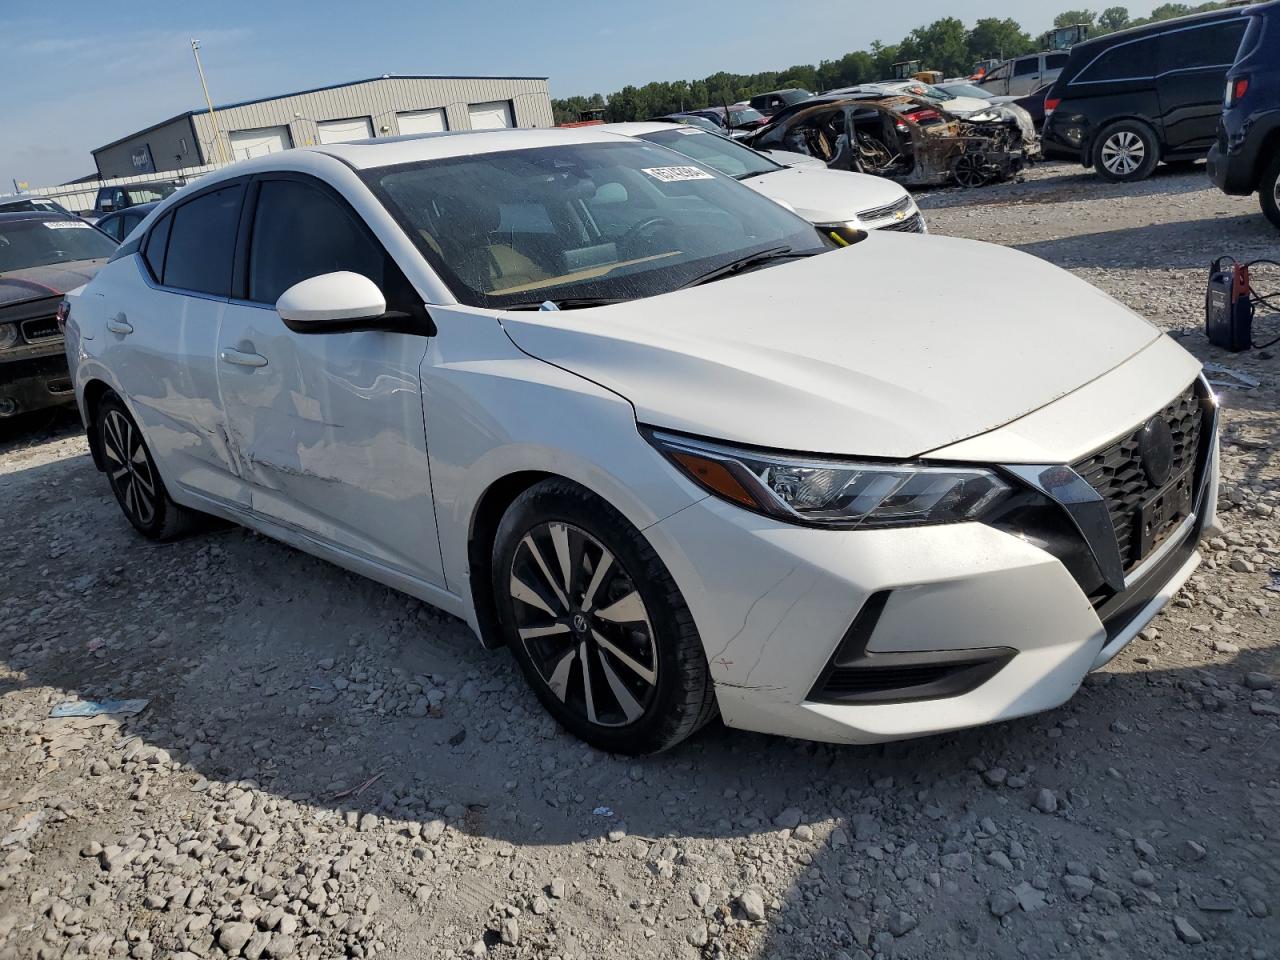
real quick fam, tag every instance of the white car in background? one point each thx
(652, 432)
(834, 200)
(961, 107)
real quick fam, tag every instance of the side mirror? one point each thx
(332, 302)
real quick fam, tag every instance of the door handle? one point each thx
(119, 324)
(242, 359)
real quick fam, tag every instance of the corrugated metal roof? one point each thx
(299, 93)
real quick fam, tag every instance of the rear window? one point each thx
(1131, 60)
(1211, 45)
(202, 242)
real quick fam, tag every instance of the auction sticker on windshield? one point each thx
(677, 174)
(67, 225)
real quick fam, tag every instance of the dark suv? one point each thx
(1246, 156)
(1129, 100)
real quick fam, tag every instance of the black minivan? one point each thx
(1129, 100)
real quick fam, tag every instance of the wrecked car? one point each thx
(43, 255)
(906, 139)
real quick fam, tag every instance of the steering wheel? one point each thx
(639, 229)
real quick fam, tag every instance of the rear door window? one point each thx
(1212, 45)
(157, 243)
(1132, 60)
(202, 242)
(1056, 61)
(1026, 66)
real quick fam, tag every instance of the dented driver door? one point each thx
(326, 429)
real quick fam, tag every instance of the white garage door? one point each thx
(342, 131)
(259, 142)
(490, 116)
(423, 121)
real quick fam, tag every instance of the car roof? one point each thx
(639, 128)
(1159, 26)
(389, 151)
(9, 216)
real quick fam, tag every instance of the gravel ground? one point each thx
(327, 768)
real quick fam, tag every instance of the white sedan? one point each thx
(834, 200)
(675, 449)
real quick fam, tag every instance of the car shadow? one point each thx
(263, 664)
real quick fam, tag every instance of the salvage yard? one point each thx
(327, 768)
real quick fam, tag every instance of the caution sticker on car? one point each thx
(677, 174)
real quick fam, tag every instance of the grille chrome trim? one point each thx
(888, 210)
(910, 225)
(40, 330)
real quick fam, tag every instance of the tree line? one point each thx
(946, 45)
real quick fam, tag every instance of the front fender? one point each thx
(492, 411)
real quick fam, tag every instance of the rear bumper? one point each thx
(34, 383)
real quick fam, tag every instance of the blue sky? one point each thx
(80, 73)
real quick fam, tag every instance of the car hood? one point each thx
(36, 283)
(964, 106)
(826, 196)
(892, 347)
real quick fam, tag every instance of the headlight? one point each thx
(8, 335)
(844, 234)
(835, 493)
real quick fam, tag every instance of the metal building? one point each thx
(380, 107)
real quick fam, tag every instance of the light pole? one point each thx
(213, 116)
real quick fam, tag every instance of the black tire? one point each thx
(1126, 151)
(594, 592)
(1269, 191)
(133, 476)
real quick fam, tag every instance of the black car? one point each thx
(42, 256)
(131, 194)
(120, 223)
(1129, 100)
(770, 103)
(1246, 156)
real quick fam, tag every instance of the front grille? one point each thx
(1116, 471)
(889, 210)
(40, 329)
(910, 225)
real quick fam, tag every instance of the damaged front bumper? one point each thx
(35, 381)
(862, 636)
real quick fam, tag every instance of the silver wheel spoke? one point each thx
(587, 695)
(635, 666)
(560, 540)
(532, 633)
(597, 578)
(139, 455)
(559, 682)
(630, 708)
(123, 471)
(146, 484)
(630, 609)
(526, 594)
(546, 571)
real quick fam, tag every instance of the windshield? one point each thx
(150, 192)
(580, 221)
(746, 115)
(39, 243)
(927, 90)
(966, 90)
(730, 158)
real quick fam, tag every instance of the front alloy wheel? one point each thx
(596, 622)
(583, 624)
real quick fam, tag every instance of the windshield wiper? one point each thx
(753, 173)
(567, 303)
(745, 263)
